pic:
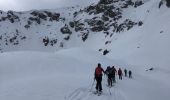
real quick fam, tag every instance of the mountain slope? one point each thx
(147, 45)
(65, 75)
(50, 30)
(52, 54)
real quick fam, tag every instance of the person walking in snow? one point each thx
(130, 74)
(120, 74)
(113, 74)
(98, 76)
(109, 76)
(125, 71)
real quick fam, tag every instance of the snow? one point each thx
(34, 72)
(68, 75)
(147, 45)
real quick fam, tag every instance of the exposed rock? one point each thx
(93, 22)
(55, 17)
(100, 49)
(71, 24)
(90, 8)
(106, 1)
(53, 42)
(129, 2)
(161, 31)
(45, 14)
(35, 19)
(46, 41)
(138, 3)
(39, 15)
(84, 36)
(11, 17)
(65, 30)
(150, 69)
(67, 37)
(13, 39)
(49, 14)
(110, 13)
(27, 26)
(140, 23)
(79, 26)
(105, 18)
(98, 8)
(97, 28)
(127, 24)
(107, 42)
(105, 52)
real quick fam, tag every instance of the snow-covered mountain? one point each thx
(65, 27)
(51, 54)
(129, 27)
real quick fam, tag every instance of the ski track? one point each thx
(118, 94)
(86, 94)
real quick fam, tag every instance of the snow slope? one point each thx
(66, 75)
(148, 45)
(65, 27)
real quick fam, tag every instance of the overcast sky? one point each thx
(25, 5)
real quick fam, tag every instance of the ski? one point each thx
(97, 93)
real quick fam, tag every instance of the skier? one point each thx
(98, 76)
(130, 74)
(113, 74)
(125, 71)
(120, 74)
(109, 76)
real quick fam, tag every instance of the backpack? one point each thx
(98, 71)
(119, 72)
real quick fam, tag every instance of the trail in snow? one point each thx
(141, 86)
(69, 76)
(108, 93)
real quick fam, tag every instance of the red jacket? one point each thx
(98, 72)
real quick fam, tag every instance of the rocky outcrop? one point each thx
(39, 16)
(11, 17)
(14, 39)
(104, 16)
(48, 41)
(138, 3)
(65, 30)
(106, 1)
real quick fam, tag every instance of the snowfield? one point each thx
(32, 71)
(68, 75)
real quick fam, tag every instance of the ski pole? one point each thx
(92, 85)
(110, 91)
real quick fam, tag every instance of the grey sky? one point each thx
(24, 5)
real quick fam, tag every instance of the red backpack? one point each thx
(98, 71)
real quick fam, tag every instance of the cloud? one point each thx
(8, 4)
(24, 5)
